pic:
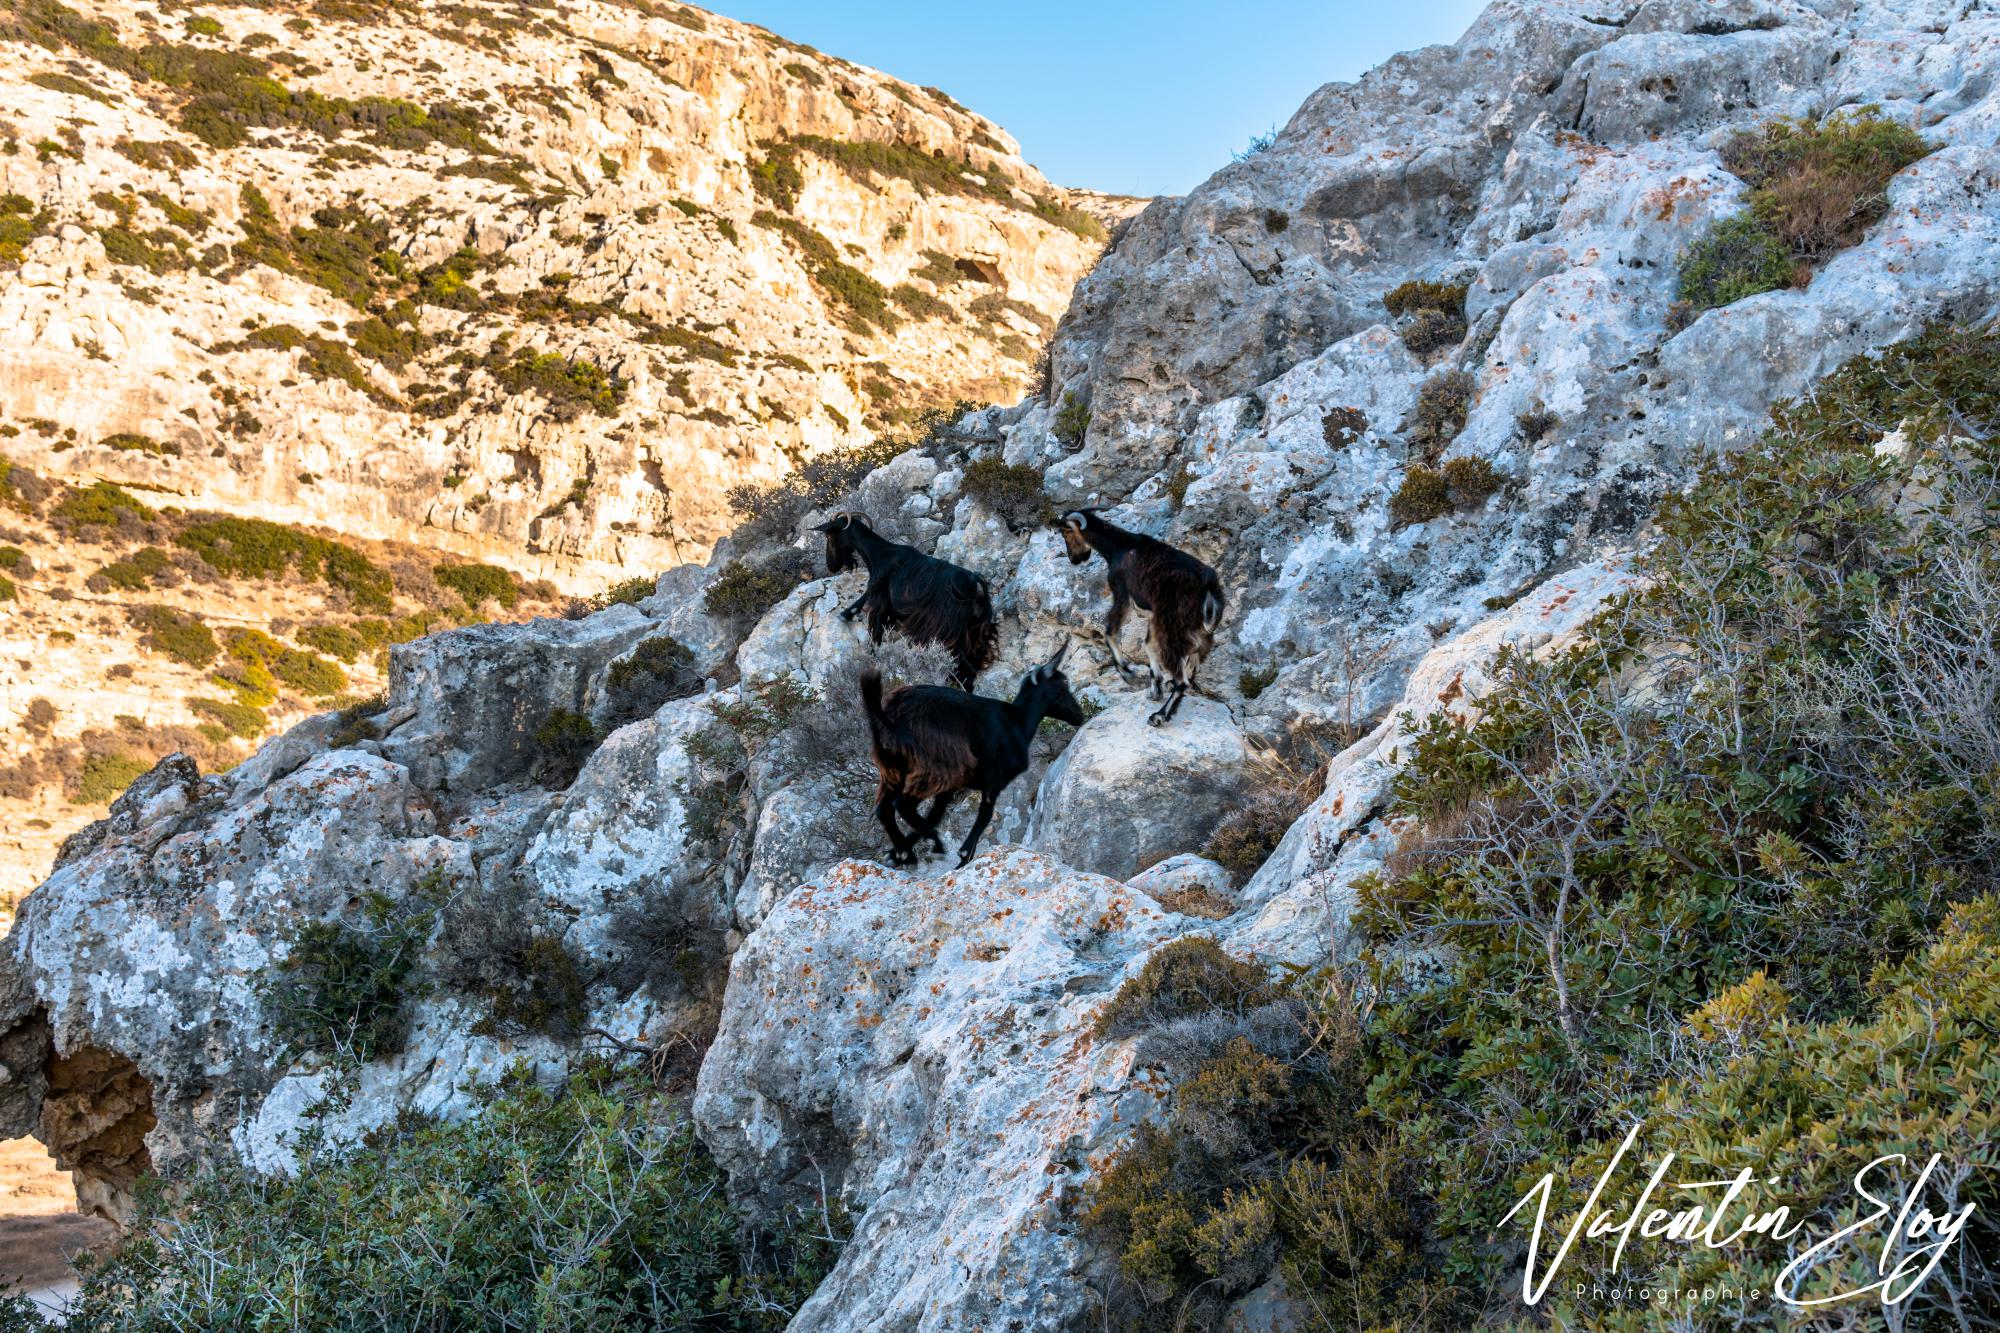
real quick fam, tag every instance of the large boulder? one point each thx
(922, 1049)
(1126, 794)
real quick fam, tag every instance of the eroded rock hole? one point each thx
(95, 1118)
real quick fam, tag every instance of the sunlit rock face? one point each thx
(921, 1044)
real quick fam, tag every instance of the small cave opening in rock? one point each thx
(95, 1118)
(979, 270)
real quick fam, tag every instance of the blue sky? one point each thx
(1134, 98)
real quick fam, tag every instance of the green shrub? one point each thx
(236, 719)
(492, 945)
(1411, 297)
(479, 583)
(105, 776)
(570, 387)
(181, 635)
(1253, 681)
(347, 990)
(1013, 491)
(1432, 331)
(98, 504)
(1444, 401)
(1423, 496)
(356, 722)
(658, 670)
(1738, 258)
(627, 592)
(772, 514)
(9, 591)
(1072, 422)
(1537, 424)
(1818, 185)
(254, 548)
(1190, 975)
(307, 673)
(20, 222)
(563, 741)
(1470, 481)
(587, 1205)
(135, 572)
(1247, 836)
(333, 640)
(744, 590)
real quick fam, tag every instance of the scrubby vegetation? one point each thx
(1433, 314)
(659, 670)
(181, 635)
(563, 741)
(1816, 187)
(1725, 869)
(746, 589)
(476, 584)
(1072, 421)
(1013, 491)
(865, 301)
(347, 988)
(254, 548)
(586, 1205)
(1444, 401)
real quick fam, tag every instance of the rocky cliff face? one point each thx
(924, 1043)
(535, 289)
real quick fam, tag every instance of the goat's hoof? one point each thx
(1155, 720)
(847, 616)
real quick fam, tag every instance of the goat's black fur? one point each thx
(932, 742)
(1182, 596)
(930, 600)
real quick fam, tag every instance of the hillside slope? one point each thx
(529, 286)
(1420, 380)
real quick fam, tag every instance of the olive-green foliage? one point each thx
(625, 592)
(136, 571)
(324, 358)
(20, 222)
(67, 83)
(255, 548)
(1422, 497)
(346, 988)
(570, 386)
(97, 504)
(1820, 184)
(1470, 481)
(1410, 297)
(1737, 258)
(9, 590)
(334, 640)
(1430, 331)
(105, 775)
(1253, 681)
(1816, 186)
(1537, 424)
(563, 740)
(181, 635)
(865, 300)
(494, 945)
(127, 442)
(1247, 836)
(1011, 490)
(237, 719)
(479, 583)
(1443, 403)
(777, 176)
(1190, 975)
(658, 670)
(307, 673)
(588, 1205)
(746, 589)
(929, 173)
(919, 302)
(1072, 421)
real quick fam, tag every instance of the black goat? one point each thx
(932, 742)
(930, 600)
(1182, 596)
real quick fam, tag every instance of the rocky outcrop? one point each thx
(922, 1045)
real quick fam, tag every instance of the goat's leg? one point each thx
(907, 807)
(985, 816)
(1114, 621)
(849, 612)
(1153, 663)
(935, 818)
(901, 853)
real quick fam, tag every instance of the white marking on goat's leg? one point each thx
(900, 853)
(1153, 658)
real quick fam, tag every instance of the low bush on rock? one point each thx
(492, 945)
(181, 635)
(563, 743)
(1189, 975)
(745, 589)
(588, 1205)
(1816, 187)
(1072, 422)
(345, 989)
(1013, 491)
(1443, 403)
(476, 584)
(659, 670)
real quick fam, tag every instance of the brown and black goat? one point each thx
(932, 742)
(929, 600)
(1180, 595)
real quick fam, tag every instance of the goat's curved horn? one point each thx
(1056, 661)
(834, 524)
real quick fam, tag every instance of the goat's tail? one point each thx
(871, 697)
(1211, 609)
